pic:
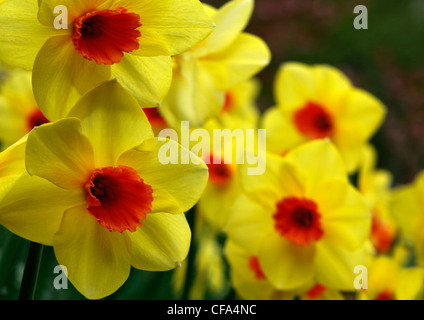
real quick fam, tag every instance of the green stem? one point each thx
(32, 267)
(190, 271)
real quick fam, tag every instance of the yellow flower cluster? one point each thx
(82, 110)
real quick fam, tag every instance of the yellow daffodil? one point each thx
(407, 206)
(224, 185)
(19, 112)
(97, 40)
(97, 192)
(239, 109)
(226, 58)
(375, 185)
(304, 220)
(251, 283)
(315, 102)
(387, 280)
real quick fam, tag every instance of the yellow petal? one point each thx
(246, 56)
(244, 278)
(161, 243)
(282, 134)
(280, 179)
(297, 83)
(335, 266)
(147, 78)
(60, 153)
(231, 19)
(406, 206)
(410, 284)
(216, 201)
(61, 76)
(318, 160)
(169, 27)
(348, 225)
(176, 186)
(33, 208)
(193, 95)
(294, 85)
(112, 120)
(248, 224)
(286, 265)
(21, 35)
(97, 260)
(12, 160)
(361, 115)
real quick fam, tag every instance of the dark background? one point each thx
(386, 60)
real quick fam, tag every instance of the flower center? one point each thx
(382, 234)
(314, 121)
(228, 102)
(36, 119)
(154, 117)
(220, 173)
(105, 35)
(256, 268)
(118, 198)
(298, 220)
(316, 291)
(385, 295)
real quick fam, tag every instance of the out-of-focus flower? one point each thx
(98, 194)
(247, 276)
(239, 109)
(375, 185)
(387, 280)
(129, 40)
(304, 221)
(251, 283)
(239, 113)
(222, 188)
(315, 102)
(407, 205)
(203, 75)
(19, 112)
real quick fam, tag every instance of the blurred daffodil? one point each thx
(407, 205)
(375, 185)
(251, 283)
(387, 280)
(315, 102)
(129, 40)
(239, 109)
(303, 219)
(19, 112)
(203, 74)
(239, 113)
(98, 194)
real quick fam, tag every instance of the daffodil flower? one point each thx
(19, 112)
(375, 185)
(129, 40)
(316, 102)
(302, 219)
(251, 283)
(98, 194)
(203, 74)
(407, 207)
(387, 280)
